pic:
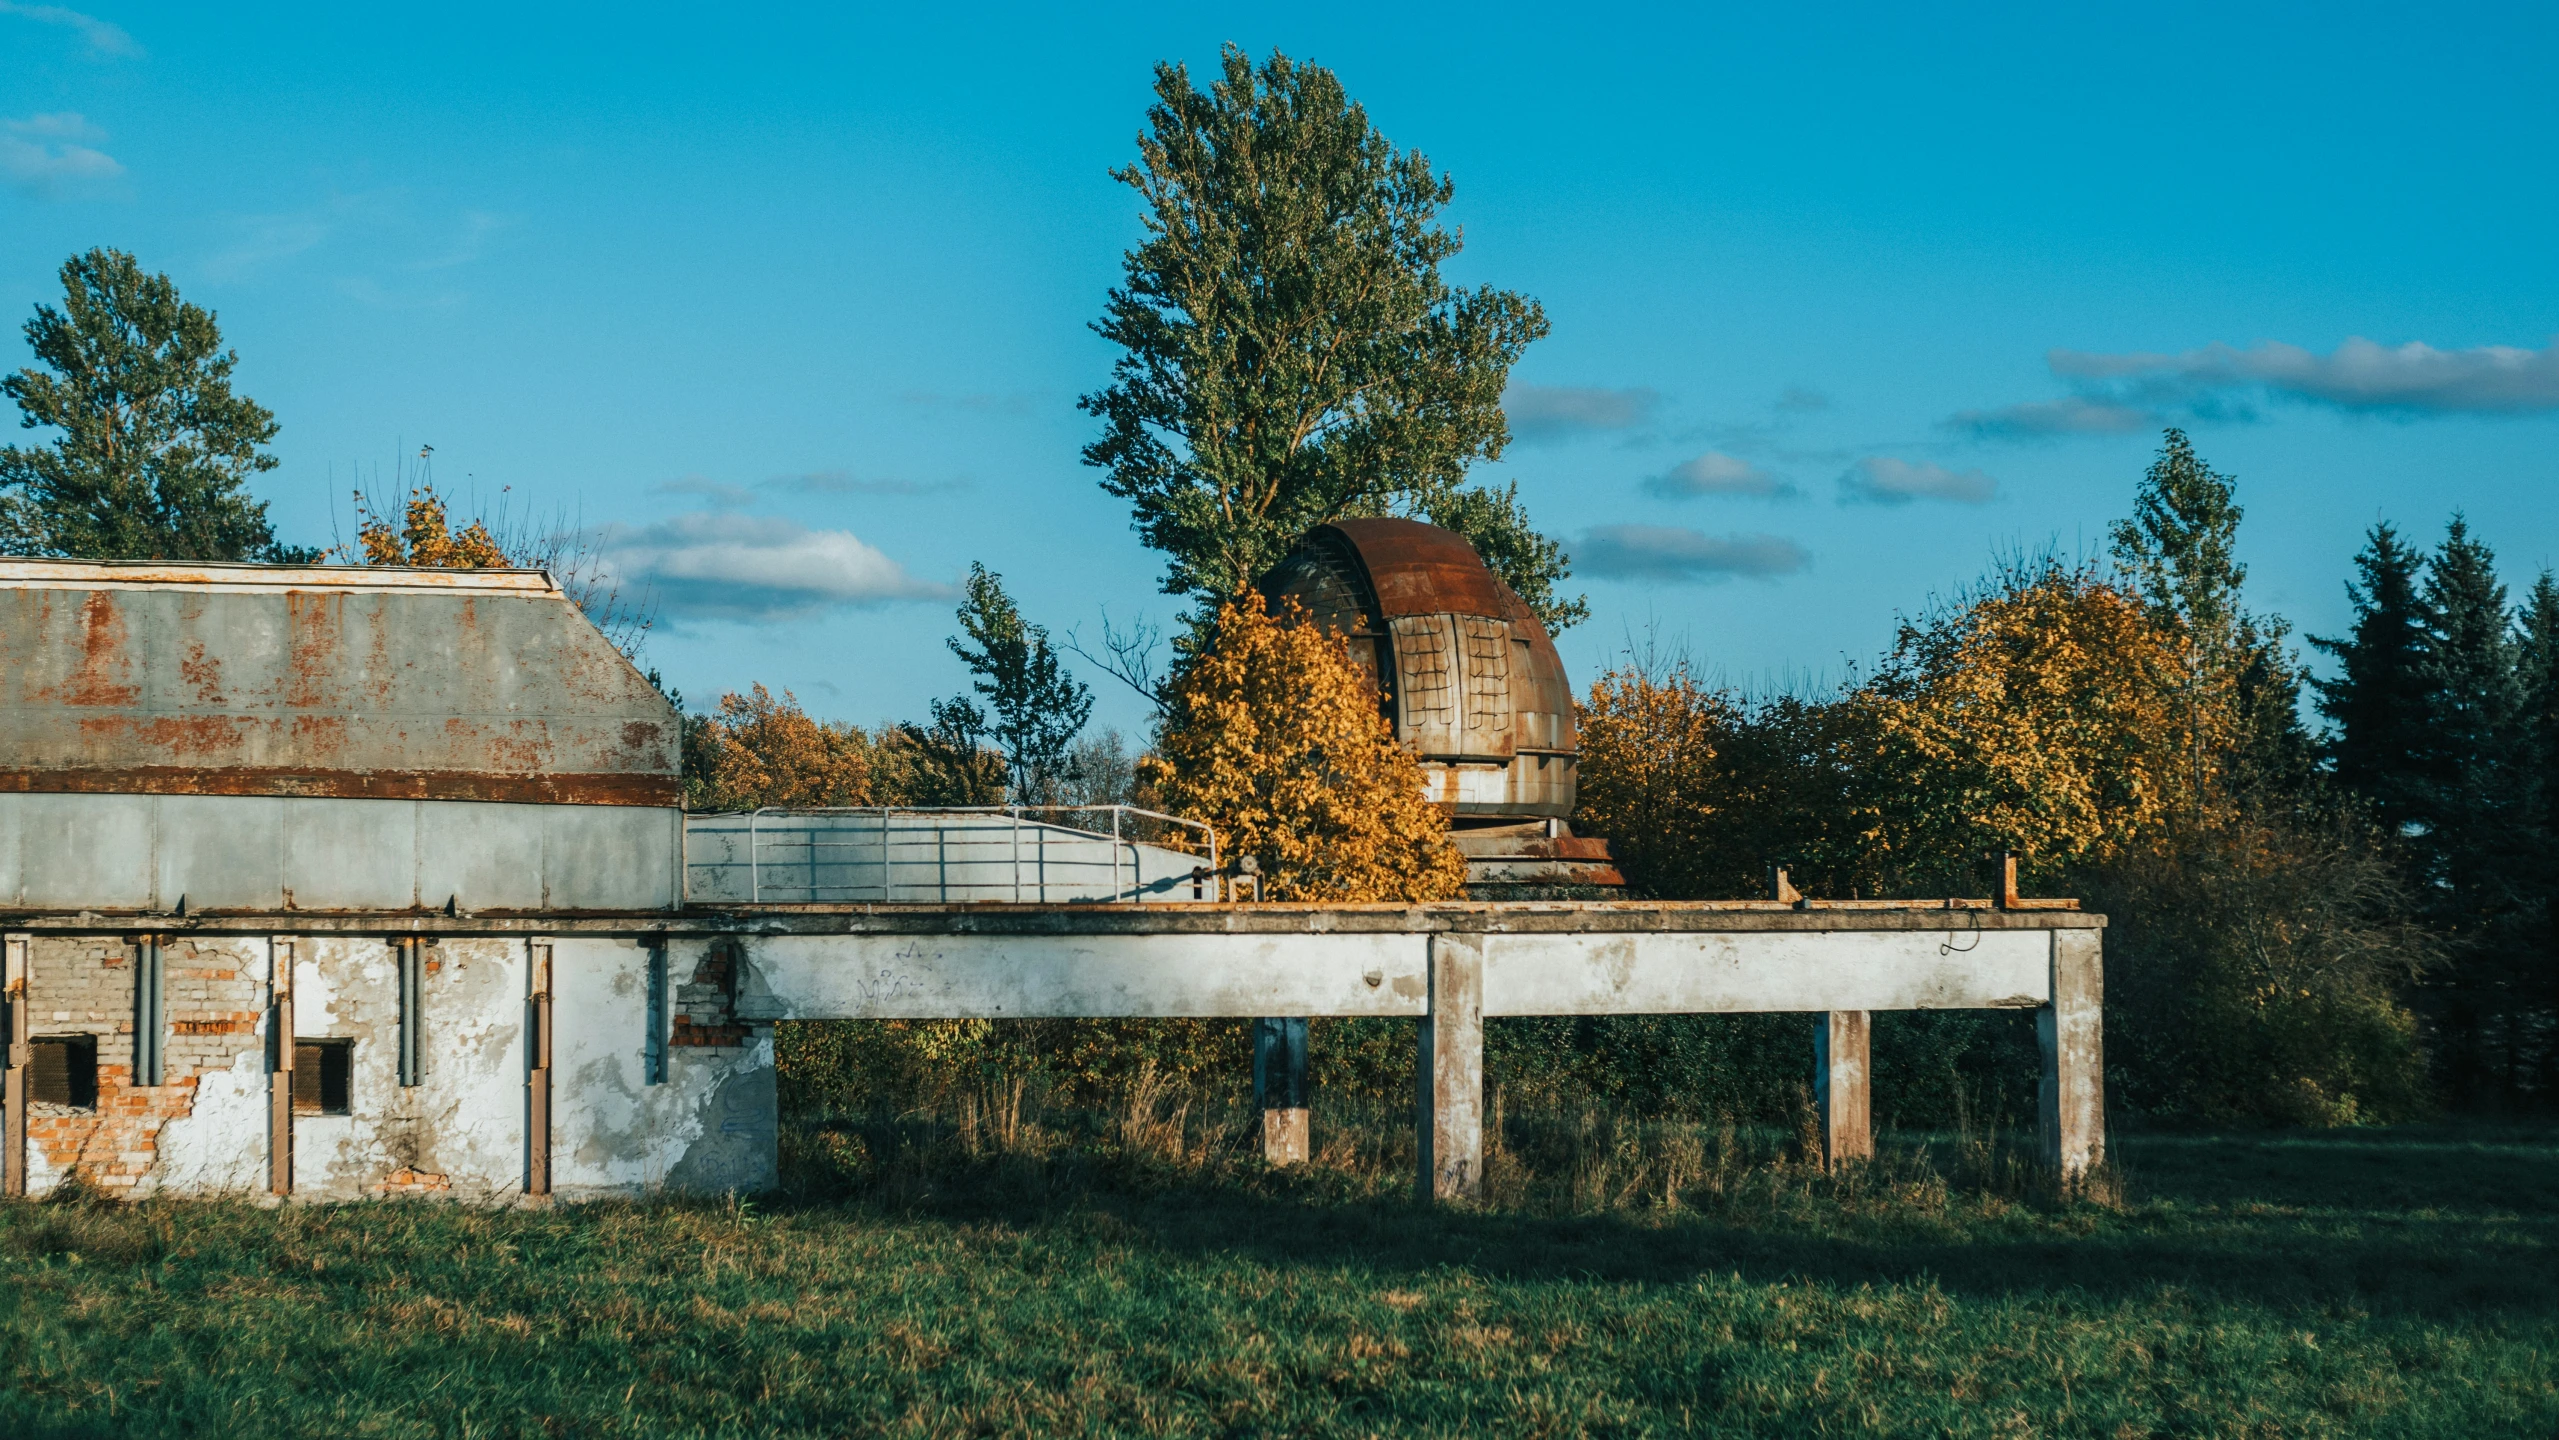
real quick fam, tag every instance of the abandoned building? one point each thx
(332, 883)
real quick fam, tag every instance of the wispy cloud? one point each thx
(1716, 473)
(389, 250)
(472, 231)
(843, 482)
(1677, 554)
(1018, 402)
(721, 565)
(1542, 413)
(103, 36)
(2071, 415)
(718, 492)
(1883, 480)
(2360, 375)
(52, 157)
(1801, 400)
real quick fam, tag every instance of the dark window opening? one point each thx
(64, 1071)
(323, 1077)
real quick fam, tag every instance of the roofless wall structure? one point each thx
(329, 883)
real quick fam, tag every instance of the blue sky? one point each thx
(791, 306)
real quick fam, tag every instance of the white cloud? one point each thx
(1716, 473)
(50, 157)
(2414, 378)
(1883, 480)
(1558, 412)
(103, 37)
(2071, 415)
(1678, 554)
(720, 565)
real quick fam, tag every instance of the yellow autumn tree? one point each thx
(759, 751)
(423, 535)
(2045, 715)
(1276, 740)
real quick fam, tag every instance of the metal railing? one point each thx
(1022, 860)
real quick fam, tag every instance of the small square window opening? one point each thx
(64, 1071)
(323, 1077)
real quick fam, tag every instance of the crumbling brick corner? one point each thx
(706, 1005)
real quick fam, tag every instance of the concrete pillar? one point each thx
(1843, 1085)
(280, 957)
(2072, 1032)
(1452, 1072)
(16, 1054)
(1279, 1089)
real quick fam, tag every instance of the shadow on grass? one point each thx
(2429, 1223)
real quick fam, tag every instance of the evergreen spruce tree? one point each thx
(2473, 853)
(2377, 703)
(2179, 549)
(2538, 672)
(156, 451)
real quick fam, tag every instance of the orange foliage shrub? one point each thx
(1277, 741)
(761, 751)
(425, 537)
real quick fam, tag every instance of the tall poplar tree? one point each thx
(1290, 353)
(156, 451)
(2377, 702)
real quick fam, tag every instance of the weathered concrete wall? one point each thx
(202, 1128)
(341, 681)
(266, 853)
(708, 1126)
(460, 1132)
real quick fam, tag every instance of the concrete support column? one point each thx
(19, 1053)
(1843, 1085)
(1279, 1090)
(1452, 1071)
(280, 957)
(537, 1073)
(2072, 1032)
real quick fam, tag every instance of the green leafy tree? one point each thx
(2377, 702)
(948, 762)
(1039, 709)
(156, 451)
(1290, 353)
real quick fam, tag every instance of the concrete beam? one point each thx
(1451, 1072)
(1843, 1085)
(2072, 1032)
(919, 977)
(1766, 970)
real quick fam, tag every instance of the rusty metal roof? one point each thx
(343, 681)
(22, 572)
(1420, 569)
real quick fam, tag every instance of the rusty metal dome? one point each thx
(1469, 679)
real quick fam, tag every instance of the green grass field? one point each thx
(2346, 1283)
